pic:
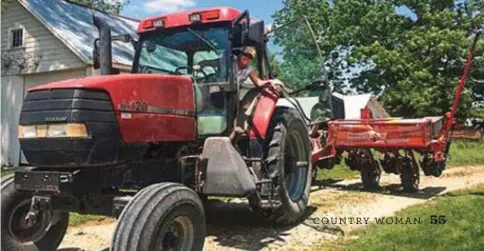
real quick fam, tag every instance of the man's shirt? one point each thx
(243, 74)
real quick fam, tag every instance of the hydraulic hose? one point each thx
(294, 102)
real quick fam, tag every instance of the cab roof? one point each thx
(182, 18)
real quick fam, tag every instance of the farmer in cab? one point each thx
(244, 71)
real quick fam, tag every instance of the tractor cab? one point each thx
(203, 45)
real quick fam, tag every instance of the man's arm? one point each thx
(262, 83)
(256, 80)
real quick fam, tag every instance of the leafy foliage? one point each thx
(415, 55)
(299, 62)
(112, 6)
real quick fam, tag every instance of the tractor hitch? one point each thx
(39, 204)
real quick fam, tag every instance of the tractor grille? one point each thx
(91, 107)
(66, 105)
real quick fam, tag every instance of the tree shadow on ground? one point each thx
(233, 225)
(78, 249)
(392, 189)
(322, 184)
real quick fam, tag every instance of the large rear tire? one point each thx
(15, 234)
(165, 216)
(289, 165)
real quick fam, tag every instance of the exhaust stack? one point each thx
(105, 53)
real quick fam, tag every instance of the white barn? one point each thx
(44, 41)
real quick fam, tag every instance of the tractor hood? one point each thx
(138, 92)
(117, 118)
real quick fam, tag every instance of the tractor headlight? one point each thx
(77, 130)
(57, 130)
(70, 130)
(27, 132)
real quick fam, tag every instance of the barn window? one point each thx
(17, 37)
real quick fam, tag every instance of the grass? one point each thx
(464, 153)
(340, 171)
(76, 219)
(463, 229)
(5, 172)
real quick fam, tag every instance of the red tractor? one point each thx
(150, 146)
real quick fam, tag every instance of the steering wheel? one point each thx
(205, 75)
(180, 68)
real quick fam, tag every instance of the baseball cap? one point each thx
(249, 51)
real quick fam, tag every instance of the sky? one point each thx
(261, 9)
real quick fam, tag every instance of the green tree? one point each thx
(297, 59)
(111, 6)
(274, 63)
(416, 57)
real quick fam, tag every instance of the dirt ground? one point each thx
(231, 226)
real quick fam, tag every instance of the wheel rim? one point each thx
(18, 228)
(179, 235)
(295, 177)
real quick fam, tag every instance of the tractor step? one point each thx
(119, 203)
(265, 187)
(253, 160)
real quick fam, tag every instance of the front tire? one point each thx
(289, 164)
(17, 236)
(165, 216)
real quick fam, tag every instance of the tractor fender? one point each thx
(261, 115)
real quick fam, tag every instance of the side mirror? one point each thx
(125, 38)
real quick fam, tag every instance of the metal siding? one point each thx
(12, 97)
(13, 90)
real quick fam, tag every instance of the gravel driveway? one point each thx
(231, 226)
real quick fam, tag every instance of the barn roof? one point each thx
(354, 103)
(73, 25)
